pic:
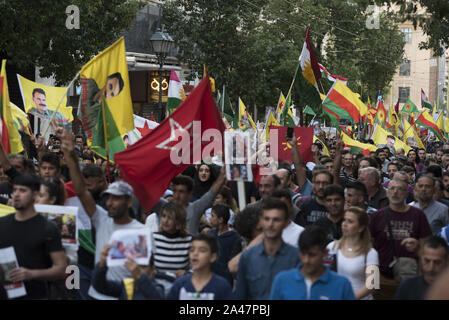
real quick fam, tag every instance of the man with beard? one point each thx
(356, 196)
(433, 260)
(119, 199)
(36, 241)
(436, 212)
(334, 196)
(314, 208)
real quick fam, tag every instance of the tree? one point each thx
(34, 33)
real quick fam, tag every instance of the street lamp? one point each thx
(162, 43)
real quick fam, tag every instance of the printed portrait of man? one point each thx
(41, 111)
(114, 85)
(39, 100)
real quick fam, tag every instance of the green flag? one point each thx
(287, 116)
(409, 107)
(309, 110)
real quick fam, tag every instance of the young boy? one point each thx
(202, 284)
(227, 239)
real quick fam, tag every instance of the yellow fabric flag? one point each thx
(14, 141)
(245, 119)
(411, 137)
(322, 96)
(212, 80)
(280, 106)
(440, 122)
(380, 139)
(129, 287)
(446, 125)
(6, 210)
(270, 122)
(356, 146)
(41, 101)
(20, 119)
(110, 72)
(325, 150)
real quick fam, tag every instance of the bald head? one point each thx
(285, 176)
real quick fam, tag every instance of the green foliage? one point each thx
(34, 33)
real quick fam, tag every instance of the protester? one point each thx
(354, 252)
(348, 171)
(36, 241)
(227, 240)
(356, 196)
(377, 196)
(433, 259)
(408, 226)
(224, 196)
(436, 213)
(203, 179)
(143, 286)
(260, 264)
(334, 196)
(118, 202)
(311, 280)
(202, 283)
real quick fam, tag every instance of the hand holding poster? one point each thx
(65, 219)
(134, 244)
(8, 262)
(238, 156)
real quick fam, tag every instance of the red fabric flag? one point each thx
(152, 117)
(147, 165)
(304, 138)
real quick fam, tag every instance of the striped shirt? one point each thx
(171, 252)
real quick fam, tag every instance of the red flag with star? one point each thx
(304, 140)
(147, 165)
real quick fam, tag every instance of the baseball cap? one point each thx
(119, 188)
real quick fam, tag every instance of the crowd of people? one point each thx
(346, 226)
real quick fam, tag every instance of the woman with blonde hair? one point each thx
(172, 242)
(353, 254)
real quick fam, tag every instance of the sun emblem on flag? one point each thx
(408, 107)
(287, 145)
(381, 115)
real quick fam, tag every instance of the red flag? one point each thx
(152, 117)
(304, 138)
(396, 106)
(147, 165)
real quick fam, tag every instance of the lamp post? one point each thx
(161, 43)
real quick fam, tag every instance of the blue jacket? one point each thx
(291, 285)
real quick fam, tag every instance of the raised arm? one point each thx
(301, 177)
(68, 148)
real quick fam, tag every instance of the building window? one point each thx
(404, 93)
(407, 34)
(404, 69)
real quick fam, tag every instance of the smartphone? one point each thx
(289, 133)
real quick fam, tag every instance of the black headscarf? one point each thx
(200, 187)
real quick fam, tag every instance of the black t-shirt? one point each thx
(412, 289)
(311, 211)
(250, 191)
(333, 230)
(33, 241)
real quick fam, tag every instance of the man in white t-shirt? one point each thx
(119, 199)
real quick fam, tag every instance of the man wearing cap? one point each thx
(119, 198)
(36, 241)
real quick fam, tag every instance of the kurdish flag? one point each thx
(325, 150)
(10, 136)
(308, 110)
(425, 102)
(356, 146)
(175, 94)
(309, 63)
(326, 75)
(426, 120)
(280, 106)
(381, 114)
(245, 120)
(409, 107)
(105, 110)
(342, 102)
(270, 122)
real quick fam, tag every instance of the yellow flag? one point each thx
(270, 122)
(6, 210)
(41, 101)
(13, 141)
(129, 287)
(212, 80)
(446, 125)
(245, 119)
(410, 137)
(325, 151)
(440, 122)
(20, 118)
(380, 139)
(280, 106)
(109, 72)
(322, 96)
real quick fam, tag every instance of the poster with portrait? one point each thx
(65, 219)
(8, 262)
(130, 243)
(42, 101)
(238, 156)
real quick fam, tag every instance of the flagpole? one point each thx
(108, 165)
(59, 103)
